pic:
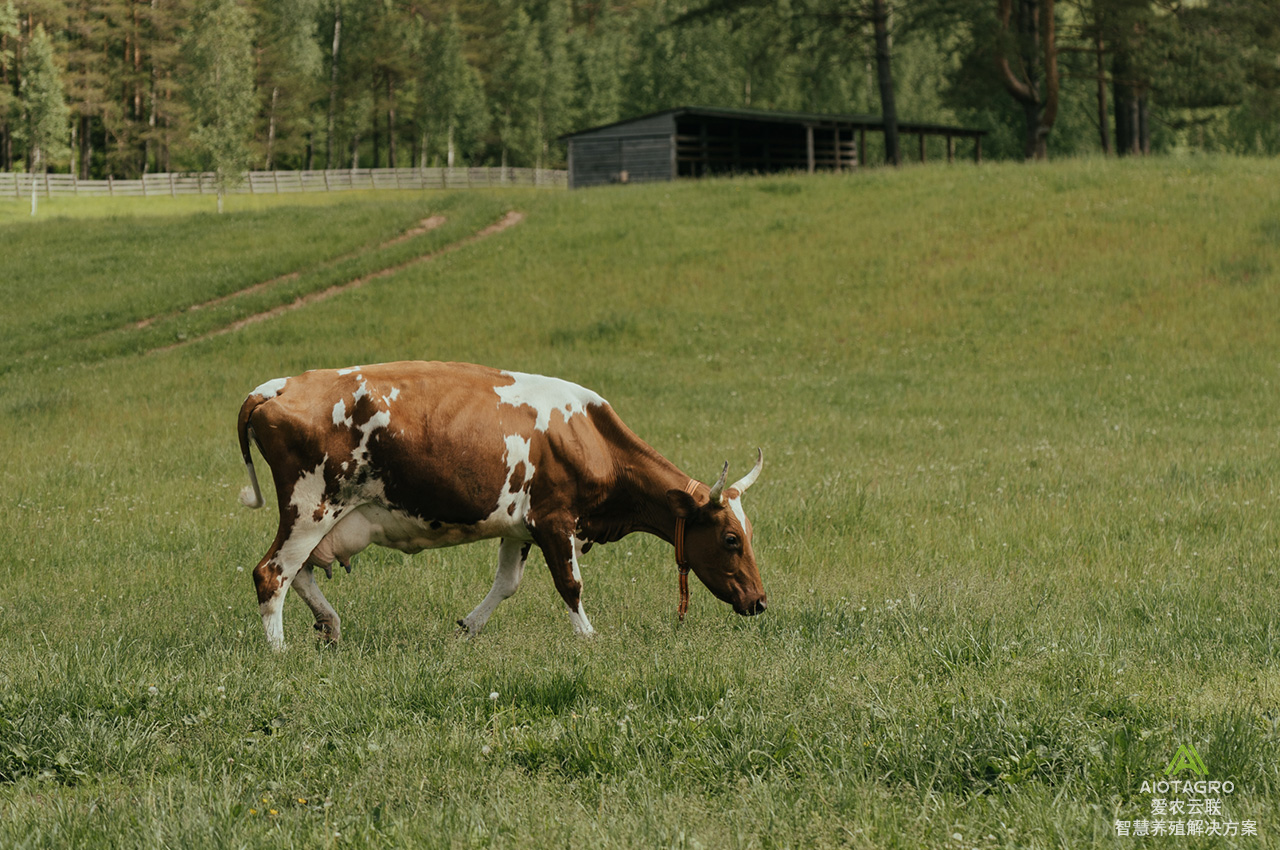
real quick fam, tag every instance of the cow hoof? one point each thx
(465, 631)
(329, 633)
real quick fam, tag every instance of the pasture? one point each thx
(1016, 519)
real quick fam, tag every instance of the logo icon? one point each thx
(1186, 758)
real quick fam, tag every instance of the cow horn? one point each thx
(718, 489)
(747, 480)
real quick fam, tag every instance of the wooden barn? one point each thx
(696, 141)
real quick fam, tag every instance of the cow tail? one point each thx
(251, 494)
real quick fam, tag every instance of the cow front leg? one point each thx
(562, 553)
(327, 622)
(512, 555)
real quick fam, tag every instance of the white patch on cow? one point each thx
(271, 388)
(361, 391)
(381, 419)
(735, 505)
(581, 625)
(395, 394)
(509, 518)
(340, 414)
(577, 553)
(546, 395)
(348, 371)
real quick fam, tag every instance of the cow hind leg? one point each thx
(328, 624)
(512, 555)
(277, 572)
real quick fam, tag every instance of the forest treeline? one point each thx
(123, 87)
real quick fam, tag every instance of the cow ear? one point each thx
(682, 504)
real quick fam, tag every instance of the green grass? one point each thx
(1015, 521)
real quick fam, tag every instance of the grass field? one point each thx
(1021, 441)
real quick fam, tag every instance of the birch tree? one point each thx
(220, 51)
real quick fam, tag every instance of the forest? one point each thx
(124, 87)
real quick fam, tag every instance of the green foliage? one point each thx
(220, 49)
(452, 112)
(44, 110)
(1015, 519)
(343, 83)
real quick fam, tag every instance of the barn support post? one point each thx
(808, 142)
(977, 150)
(951, 149)
(862, 145)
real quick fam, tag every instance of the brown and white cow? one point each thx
(415, 456)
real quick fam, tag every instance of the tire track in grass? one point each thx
(511, 219)
(424, 226)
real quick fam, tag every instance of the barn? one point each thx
(696, 141)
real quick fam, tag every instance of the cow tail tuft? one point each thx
(251, 494)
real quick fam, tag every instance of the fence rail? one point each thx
(19, 185)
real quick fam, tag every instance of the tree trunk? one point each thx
(1130, 106)
(271, 128)
(1104, 125)
(884, 76)
(391, 123)
(86, 145)
(333, 83)
(1037, 52)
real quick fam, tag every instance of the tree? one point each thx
(290, 64)
(44, 108)
(884, 79)
(1029, 42)
(852, 19)
(452, 114)
(599, 54)
(518, 91)
(8, 100)
(556, 90)
(220, 52)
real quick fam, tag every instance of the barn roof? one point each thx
(767, 116)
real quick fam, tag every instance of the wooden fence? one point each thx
(18, 185)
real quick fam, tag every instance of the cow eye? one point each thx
(731, 541)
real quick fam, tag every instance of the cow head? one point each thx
(717, 541)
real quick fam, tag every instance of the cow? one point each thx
(415, 456)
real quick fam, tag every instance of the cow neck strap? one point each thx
(689, 488)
